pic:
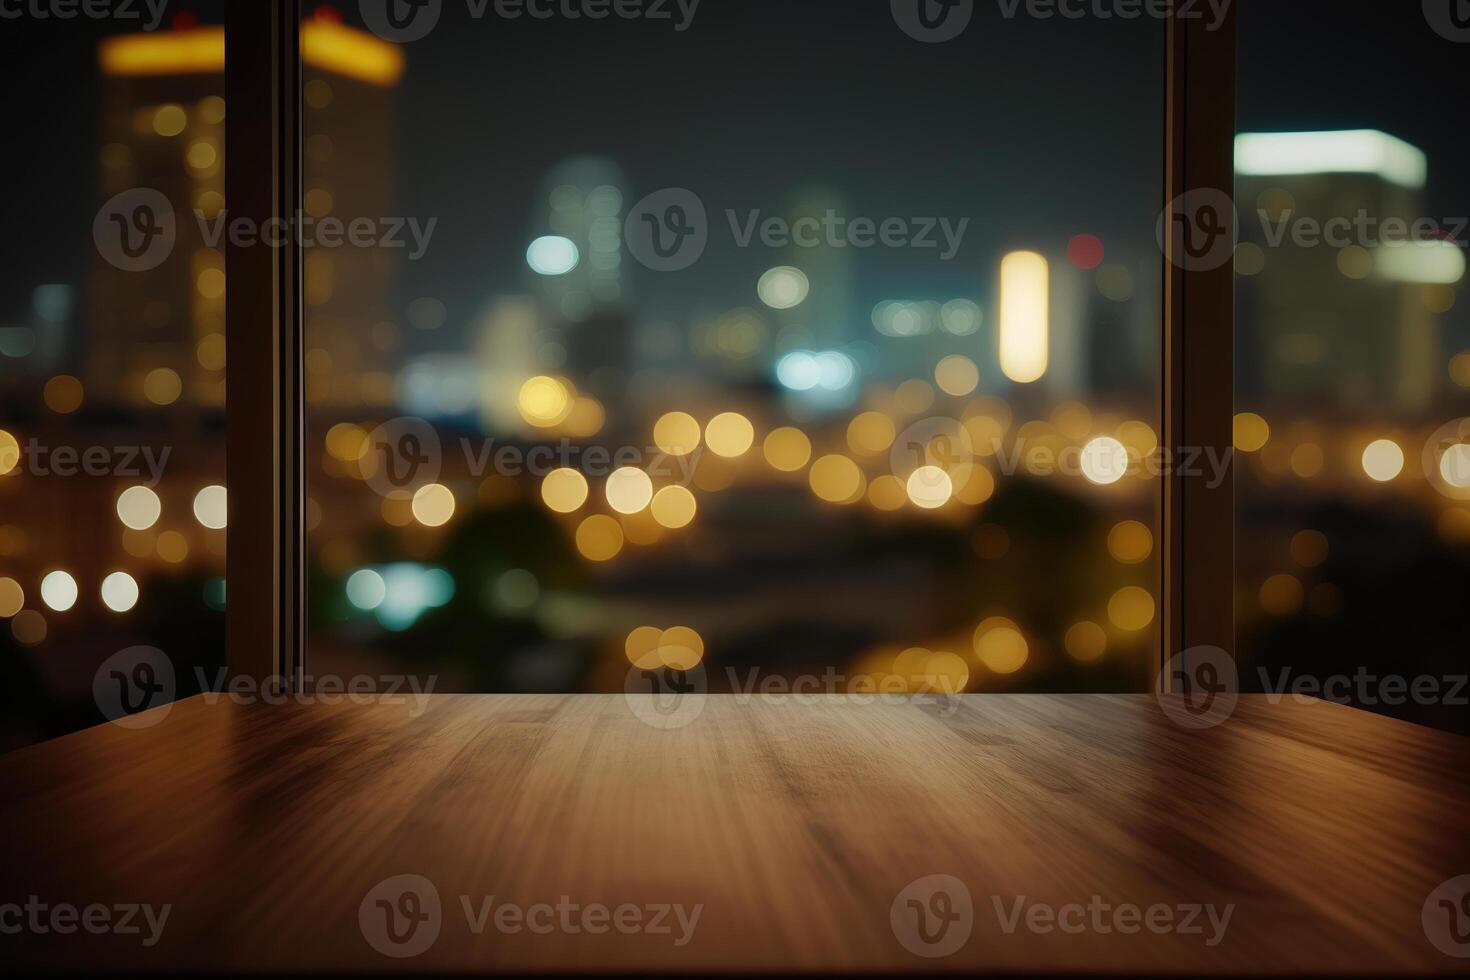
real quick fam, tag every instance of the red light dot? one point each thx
(1085, 251)
(328, 12)
(185, 21)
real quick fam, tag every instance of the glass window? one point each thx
(765, 340)
(1352, 369)
(112, 356)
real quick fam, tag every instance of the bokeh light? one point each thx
(138, 508)
(59, 590)
(119, 592)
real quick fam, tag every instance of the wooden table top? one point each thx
(1079, 832)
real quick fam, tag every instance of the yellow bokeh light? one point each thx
(1281, 595)
(1131, 608)
(729, 434)
(888, 492)
(210, 352)
(564, 490)
(642, 647)
(433, 505)
(681, 648)
(586, 418)
(787, 449)
(1383, 460)
(201, 156)
(943, 673)
(347, 442)
(914, 396)
(138, 508)
(979, 487)
(1251, 432)
(1130, 542)
(628, 490)
(12, 598)
(599, 538)
(1139, 437)
(1460, 369)
(957, 375)
(836, 479)
(676, 433)
(544, 402)
(929, 487)
(1086, 642)
(63, 394)
(210, 283)
(871, 433)
(162, 386)
(1307, 460)
(170, 120)
(173, 547)
(397, 508)
(9, 452)
(674, 507)
(1000, 645)
(28, 627)
(1309, 548)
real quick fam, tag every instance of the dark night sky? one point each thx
(1033, 129)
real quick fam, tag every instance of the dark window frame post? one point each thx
(1198, 554)
(264, 419)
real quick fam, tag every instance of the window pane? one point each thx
(777, 342)
(112, 355)
(1352, 371)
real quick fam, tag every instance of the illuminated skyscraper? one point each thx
(1336, 318)
(157, 335)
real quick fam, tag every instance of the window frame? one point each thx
(265, 419)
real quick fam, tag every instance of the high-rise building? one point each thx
(157, 335)
(1332, 317)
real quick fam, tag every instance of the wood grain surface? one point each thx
(794, 828)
